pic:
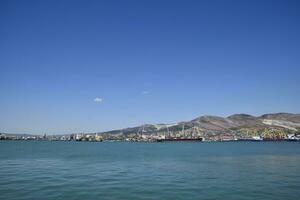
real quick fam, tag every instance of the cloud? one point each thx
(98, 100)
(145, 92)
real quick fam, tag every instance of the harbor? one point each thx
(94, 137)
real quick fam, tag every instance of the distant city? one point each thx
(238, 127)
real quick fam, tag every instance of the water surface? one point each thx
(120, 170)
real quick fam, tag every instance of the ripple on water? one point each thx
(149, 171)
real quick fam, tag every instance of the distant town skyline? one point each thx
(77, 66)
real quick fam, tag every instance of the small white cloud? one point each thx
(145, 92)
(98, 100)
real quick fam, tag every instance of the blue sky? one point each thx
(72, 66)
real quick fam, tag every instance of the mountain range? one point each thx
(207, 123)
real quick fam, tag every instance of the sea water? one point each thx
(123, 170)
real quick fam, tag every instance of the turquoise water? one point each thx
(120, 170)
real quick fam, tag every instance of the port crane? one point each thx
(141, 130)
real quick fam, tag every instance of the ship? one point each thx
(253, 139)
(180, 140)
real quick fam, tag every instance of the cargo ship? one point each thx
(253, 139)
(180, 140)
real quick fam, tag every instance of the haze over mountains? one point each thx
(287, 121)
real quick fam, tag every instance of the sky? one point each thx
(87, 66)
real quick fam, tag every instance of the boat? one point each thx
(253, 139)
(180, 140)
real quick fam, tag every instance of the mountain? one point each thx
(207, 123)
(282, 116)
(285, 120)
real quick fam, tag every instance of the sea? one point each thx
(44, 170)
